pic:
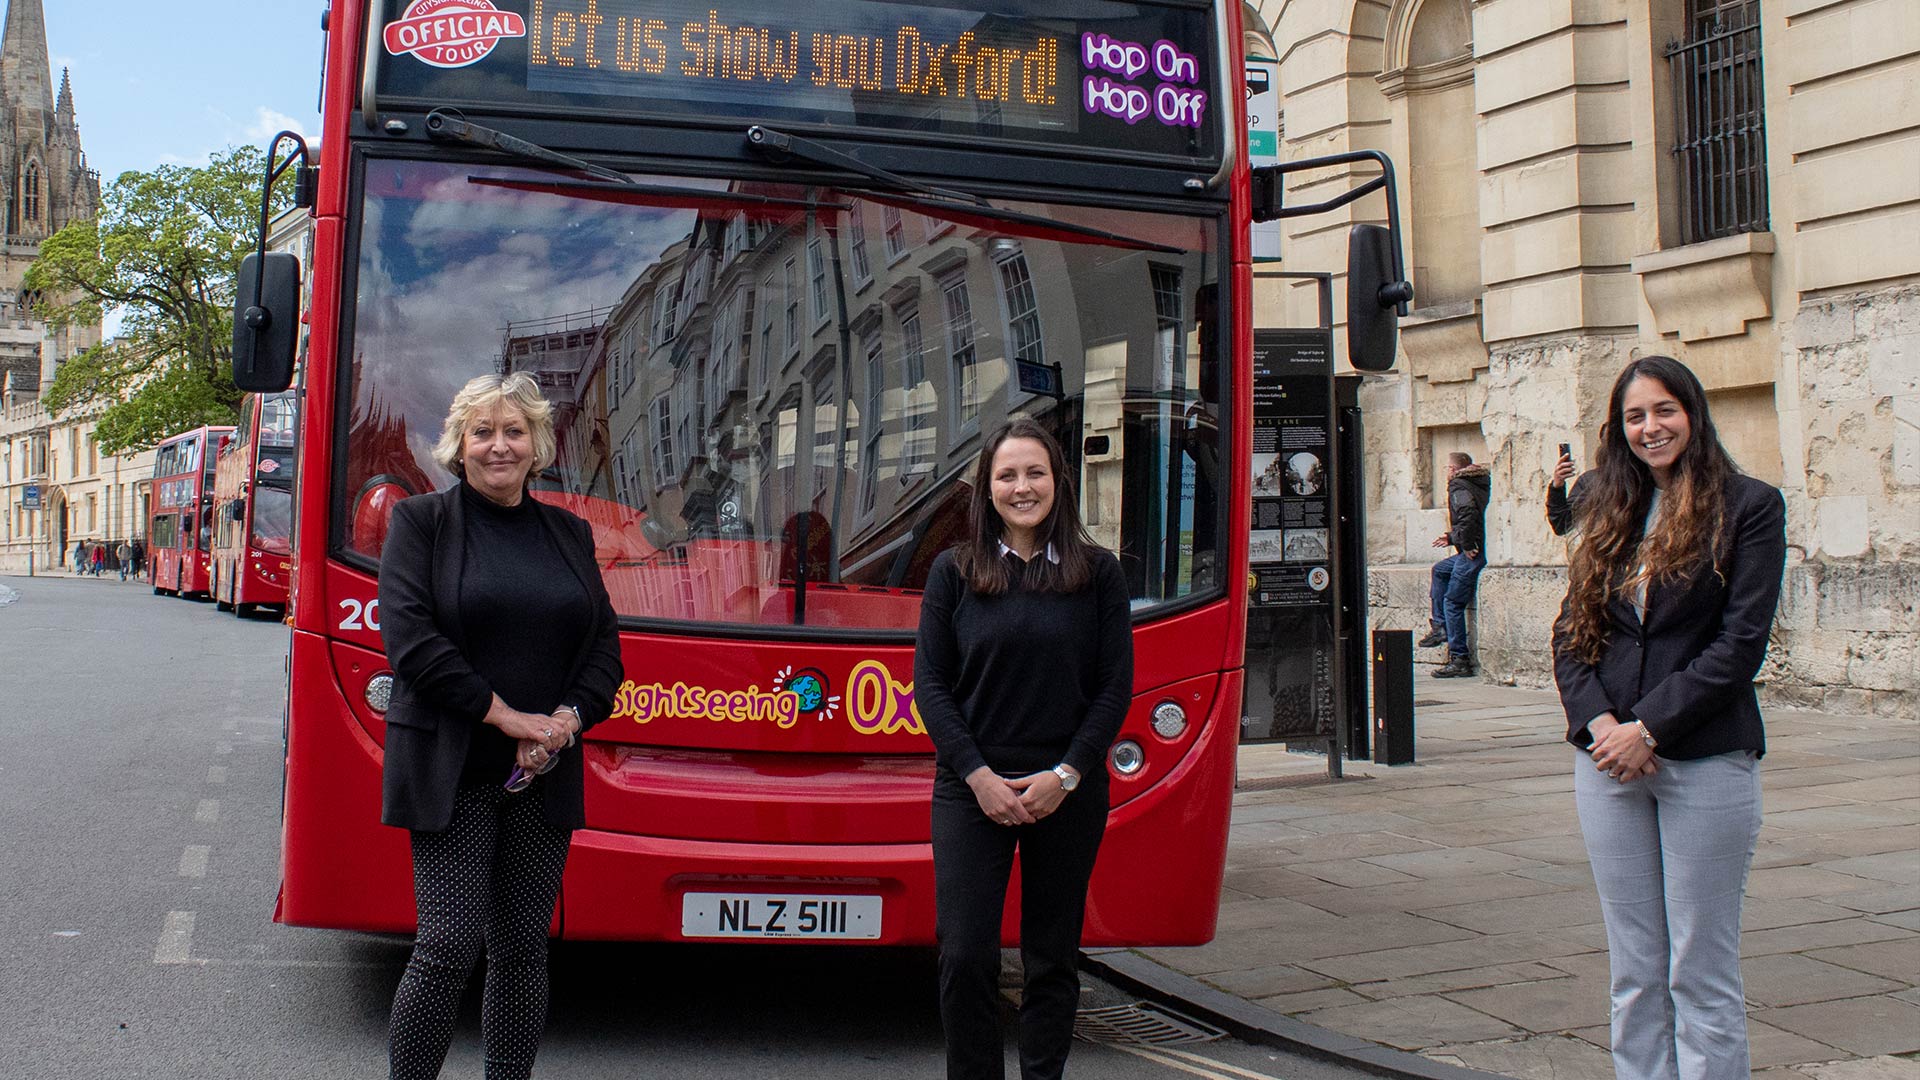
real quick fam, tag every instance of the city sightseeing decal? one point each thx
(875, 702)
(451, 33)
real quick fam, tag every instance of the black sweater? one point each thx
(1025, 680)
(525, 614)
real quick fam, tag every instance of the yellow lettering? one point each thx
(561, 42)
(906, 60)
(591, 21)
(651, 35)
(697, 57)
(783, 63)
(823, 59)
(535, 54)
(1040, 72)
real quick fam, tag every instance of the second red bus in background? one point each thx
(180, 529)
(253, 507)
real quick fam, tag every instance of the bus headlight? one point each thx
(379, 692)
(1169, 720)
(1126, 757)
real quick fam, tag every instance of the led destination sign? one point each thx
(1128, 76)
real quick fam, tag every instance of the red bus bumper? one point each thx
(1157, 881)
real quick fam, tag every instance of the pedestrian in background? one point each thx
(139, 557)
(79, 556)
(1456, 578)
(1023, 670)
(124, 555)
(1670, 599)
(504, 648)
(98, 560)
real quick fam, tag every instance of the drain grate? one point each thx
(1140, 1024)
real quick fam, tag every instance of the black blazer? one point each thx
(437, 699)
(1687, 671)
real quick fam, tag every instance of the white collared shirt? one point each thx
(1052, 556)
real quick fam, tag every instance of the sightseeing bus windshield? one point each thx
(769, 410)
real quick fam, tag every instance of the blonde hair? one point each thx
(481, 397)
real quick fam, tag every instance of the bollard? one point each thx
(1393, 697)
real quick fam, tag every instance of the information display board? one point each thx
(1290, 617)
(1137, 77)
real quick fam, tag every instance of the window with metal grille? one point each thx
(1720, 122)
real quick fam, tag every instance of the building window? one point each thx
(789, 283)
(917, 405)
(817, 278)
(664, 470)
(876, 389)
(30, 194)
(857, 247)
(763, 357)
(963, 367)
(896, 232)
(1169, 329)
(665, 311)
(1023, 311)
(1720, 120)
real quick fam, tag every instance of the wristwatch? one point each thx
(1068, 778)
(574, 735)
(1646, 736)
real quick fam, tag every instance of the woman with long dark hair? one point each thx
(1023, 671)
(1670, 599)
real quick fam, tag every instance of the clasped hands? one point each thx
(538, 737)
(1022, 800)
(1619, 751)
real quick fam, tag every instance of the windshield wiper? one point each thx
(451, 125)
(612, 186)
(958, 206)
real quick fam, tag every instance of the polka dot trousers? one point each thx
(489, 882)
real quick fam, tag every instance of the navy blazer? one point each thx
(437, 699)
(1687, 671)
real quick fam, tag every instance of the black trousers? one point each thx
(972, 859)
(488, 881)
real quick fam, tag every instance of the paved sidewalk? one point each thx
(1446, 907)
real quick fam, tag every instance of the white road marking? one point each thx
(216, 774)
(193, 861)
(208, 811)
(1194, 1063)
(176, 939)
(1247, 1074)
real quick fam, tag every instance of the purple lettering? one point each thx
(1120, 100)
(1172, 64)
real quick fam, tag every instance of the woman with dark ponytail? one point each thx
(1023, 670)
(1670, 600)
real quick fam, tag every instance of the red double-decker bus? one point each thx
(180, 525)
(780, 269)
(253, 493)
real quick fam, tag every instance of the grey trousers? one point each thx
(1670, 854)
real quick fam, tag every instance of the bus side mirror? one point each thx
(266, 332)
(1375, 295)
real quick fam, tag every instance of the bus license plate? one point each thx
(762, 915)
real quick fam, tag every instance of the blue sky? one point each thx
(171, 81)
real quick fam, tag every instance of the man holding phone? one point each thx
(1559, 506)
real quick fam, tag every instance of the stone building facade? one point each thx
(1730, 182)
(45, 184)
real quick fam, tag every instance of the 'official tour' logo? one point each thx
(451, 33)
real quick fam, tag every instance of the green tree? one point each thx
(165, 251)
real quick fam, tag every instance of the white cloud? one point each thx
(268, 122)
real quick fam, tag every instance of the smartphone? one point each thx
(1566, 451)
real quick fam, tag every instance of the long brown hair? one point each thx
(1612, 557)
(978, 556)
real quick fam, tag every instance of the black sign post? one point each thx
(1303, 600)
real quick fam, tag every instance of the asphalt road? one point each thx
(140, 794)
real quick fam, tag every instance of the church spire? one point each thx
(24, 68)
(63, 105)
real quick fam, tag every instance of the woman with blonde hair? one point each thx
(504, 648)
(1670, 599)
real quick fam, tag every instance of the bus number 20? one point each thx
(361, 616)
